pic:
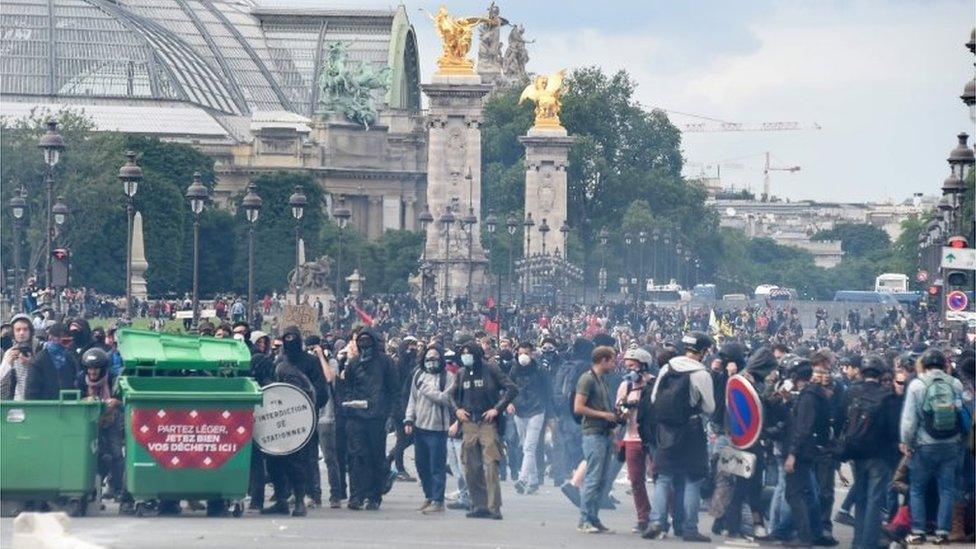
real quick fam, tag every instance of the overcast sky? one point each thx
(882, 77)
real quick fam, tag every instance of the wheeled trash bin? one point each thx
(189, 415)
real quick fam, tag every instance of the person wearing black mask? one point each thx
(481, 395)
(406, 366)
(55, 368)
(371, 390)
(290, 470)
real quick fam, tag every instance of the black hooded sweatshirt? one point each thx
(482, 386)
(296, 357)
(371, 377)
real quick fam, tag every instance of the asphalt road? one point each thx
(545, 519)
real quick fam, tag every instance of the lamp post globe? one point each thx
(52, 144)
(298, 201)
(251, 204)
(196, 194)
(61, 211)
(961, 159)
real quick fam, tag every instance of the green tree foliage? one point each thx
(856, 239)
(623, 153)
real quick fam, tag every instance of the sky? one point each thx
(881, 77)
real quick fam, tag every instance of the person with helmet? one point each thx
(96, 382)
(638, 363)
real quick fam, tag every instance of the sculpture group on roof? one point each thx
(348, 88)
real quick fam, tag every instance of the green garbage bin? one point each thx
(49, 451)
(189, 415)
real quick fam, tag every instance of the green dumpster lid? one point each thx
(145, 350)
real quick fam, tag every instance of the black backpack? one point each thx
(672, 403)
(568, 389)
(859, 439)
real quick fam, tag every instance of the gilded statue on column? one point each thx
(546, 91)
(455, 33)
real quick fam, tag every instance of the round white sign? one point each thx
(284, 421)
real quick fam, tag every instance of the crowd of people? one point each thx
(573, 395)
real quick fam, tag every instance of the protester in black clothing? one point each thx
(263, 372)
(54, 368)
(406, 364)
(291, 470)
(370, 390)
(807, 439)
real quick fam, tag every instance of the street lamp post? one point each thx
(667, 259)
(604, 236)
(468, 222)
(52, 144)
(491, 222)
(642, 238)
(60, 213)
(342, 215)
(130, 174)
(252, 208)
(546, 280)
(425, 218)
(526, 283)
(447, 220)
(18, 206)
(298, 201)
(628, 240)
(655, 235)
(677, 262)
(512, 224)
(196, 194)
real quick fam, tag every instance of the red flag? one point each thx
(491, 327)
(368, 320)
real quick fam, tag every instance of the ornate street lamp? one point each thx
(298, 201)
(961, 158)
(18, 207)
(527, 254)
(655, 235)
(604, 237)
(511, 224)
(196, 194)
(342, 215)
(130, 174)
(52, 145)
(425, 218)
(491, 223)
(642, 239)
(468, 222)
(251, 204)
(447, 220)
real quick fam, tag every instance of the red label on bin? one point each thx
(192, 439)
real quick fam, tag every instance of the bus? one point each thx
(891, 283)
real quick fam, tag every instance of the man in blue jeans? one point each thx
(594, 403)
(682, 394)
(930, 434)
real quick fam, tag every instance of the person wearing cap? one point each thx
(877, 453)
(807, 438)
(932, 453)
(638, 362)
(54, 368)
(682, 394)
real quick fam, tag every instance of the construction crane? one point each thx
(767, 168)
(715, 125)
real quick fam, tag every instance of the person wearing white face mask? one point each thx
(428, 418)
(533, 403)
(481, 394)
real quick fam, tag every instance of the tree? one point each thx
(857, 239)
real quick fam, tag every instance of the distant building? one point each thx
(236, 80)
(793, 223)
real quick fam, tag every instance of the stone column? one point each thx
(375, 217)
(410, 213)
(139, 263)
(454, 177)
(546, 160)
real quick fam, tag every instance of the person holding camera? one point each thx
(637, 361)
(593, 402)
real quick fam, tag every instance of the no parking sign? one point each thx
(744, 411)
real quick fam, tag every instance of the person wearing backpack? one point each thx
(869, 416)
(682, 395)
(931, 430)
